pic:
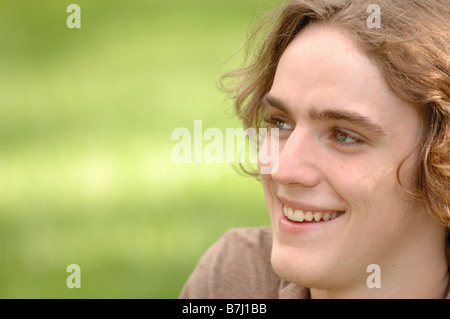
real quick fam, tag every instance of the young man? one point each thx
(363, 174)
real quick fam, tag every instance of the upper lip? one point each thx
(295, 205)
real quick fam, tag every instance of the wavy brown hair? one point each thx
(412, 49)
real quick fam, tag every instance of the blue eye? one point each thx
(276, 122)
(282, 125)
(343, 138)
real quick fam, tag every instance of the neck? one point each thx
(416, 275)
(414, 287)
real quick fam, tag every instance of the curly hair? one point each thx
(411, 48)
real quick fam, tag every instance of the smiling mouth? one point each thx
(300, 216)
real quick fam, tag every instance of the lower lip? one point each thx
(288, 226)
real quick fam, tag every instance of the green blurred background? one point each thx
(86, 175)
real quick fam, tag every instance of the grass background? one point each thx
(86, 175)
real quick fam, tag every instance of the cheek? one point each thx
(262, 165)
(373, 192)
(266, 182)
(268, 161)
(269, 153)
(363, 184)
(269, 194)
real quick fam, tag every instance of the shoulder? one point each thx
(236, 266)
(255, 240)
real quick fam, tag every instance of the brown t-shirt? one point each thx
(238, 267)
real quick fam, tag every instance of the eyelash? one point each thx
(356, 141)
(273, 121)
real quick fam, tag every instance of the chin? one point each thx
(300, 267)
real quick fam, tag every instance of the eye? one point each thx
(277, 122)
(343, 137)
(282, 125)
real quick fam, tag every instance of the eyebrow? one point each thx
(328, 114)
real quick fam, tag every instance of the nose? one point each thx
(298, 160)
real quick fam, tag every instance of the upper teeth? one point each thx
(299, 215)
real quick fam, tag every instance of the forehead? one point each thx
(326, 55)
(323, 67)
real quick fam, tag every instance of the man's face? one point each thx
(342, 136)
